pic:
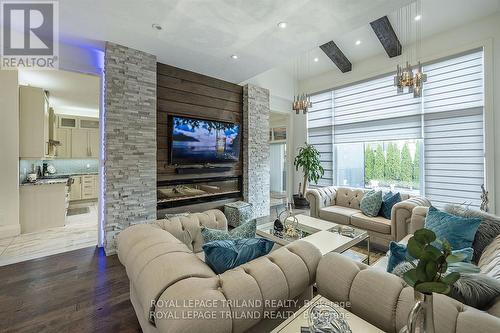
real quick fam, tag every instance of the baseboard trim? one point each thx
(10, 230)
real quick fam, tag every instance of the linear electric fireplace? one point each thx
(191, 191)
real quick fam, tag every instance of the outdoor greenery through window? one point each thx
(393, 165)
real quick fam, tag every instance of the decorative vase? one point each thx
(421, 317)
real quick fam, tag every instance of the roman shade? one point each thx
(320, 127)
(372, 111)
(453, 106)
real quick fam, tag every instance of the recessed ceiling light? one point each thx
(358, 42)
(234, 56)
(418, 17)
(156, 26)
(316, 59)
(282, 25)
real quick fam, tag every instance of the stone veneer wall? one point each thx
(129, 140)
(256, 160)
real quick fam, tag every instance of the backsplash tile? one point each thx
(62, 166)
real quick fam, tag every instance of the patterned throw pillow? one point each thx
(389, 200)
(227, 254)
(487, 231)
(399, 253)
(371, 203)
(246, 230)
(458, 231)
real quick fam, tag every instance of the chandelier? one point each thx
(301, 100)
(413, 82)
(410, 79)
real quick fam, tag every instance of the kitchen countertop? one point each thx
(57, 178)
(46, 182)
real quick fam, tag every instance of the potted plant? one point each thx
(308, 161)
(436, 271)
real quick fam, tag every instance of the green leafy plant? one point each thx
(437, 269)
(308, 161)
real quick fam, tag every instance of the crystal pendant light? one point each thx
(408, 77)
(301, 101)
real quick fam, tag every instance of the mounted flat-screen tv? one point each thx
(200, 141)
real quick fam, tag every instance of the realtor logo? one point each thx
(30, 34)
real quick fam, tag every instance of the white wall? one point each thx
(484, 33)
(9, 150)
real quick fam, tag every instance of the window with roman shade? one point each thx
(444, 129)
(453, 104)
(319, 133)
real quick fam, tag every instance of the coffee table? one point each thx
(326, 236)
(300, 319)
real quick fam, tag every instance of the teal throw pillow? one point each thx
(399, 254)
(246, 230)
(389, 200)
(458, 231)
(227, 254)
(371, 203)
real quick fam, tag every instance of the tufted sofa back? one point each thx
(351, 197)
(187, 229)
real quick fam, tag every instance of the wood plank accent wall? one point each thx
(184, 93)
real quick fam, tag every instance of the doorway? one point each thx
(59, 158)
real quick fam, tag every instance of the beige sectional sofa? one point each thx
(173, 290)
(341, 205)
(385, 301)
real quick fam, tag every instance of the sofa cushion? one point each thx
(389, 200)
(377, 223)
(226, 254)
(398, 253)
(349, 197)
(338, 214)
(246, 230)
(458, 231)
(486, 232)
(371, 203)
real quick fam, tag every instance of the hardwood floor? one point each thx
(77, 291)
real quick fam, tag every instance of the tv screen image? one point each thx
(204, 141)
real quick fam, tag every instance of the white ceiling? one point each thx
(437, 16)
(201, 35)
(69, 93)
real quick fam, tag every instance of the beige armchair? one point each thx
(341, 205)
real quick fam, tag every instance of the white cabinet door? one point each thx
(33, 123)
(79, 143)
(94, 143)
(76, 188)
(64, 138)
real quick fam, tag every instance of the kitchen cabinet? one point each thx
(75, 188)
(36, 124)
(64, 138)
(42, 206)
(79, 143)
(94, 143)
(84, 187)
(84, 143)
